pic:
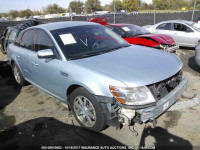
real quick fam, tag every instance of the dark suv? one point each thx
(11, 33)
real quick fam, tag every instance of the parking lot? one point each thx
(29, 116)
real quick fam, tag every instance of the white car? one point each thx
(185, 33)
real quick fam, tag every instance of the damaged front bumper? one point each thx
(151, 113)
(172, 49)
(118, 114)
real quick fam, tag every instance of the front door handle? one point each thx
(18, 56)
(34, 63)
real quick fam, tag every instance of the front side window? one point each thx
(85, 41)
(181, 27)
(27, 40)
(164, 26)
(43, 41)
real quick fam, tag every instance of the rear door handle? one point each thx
(18, 56)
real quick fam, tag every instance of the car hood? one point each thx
(134, 65)
(160, 38)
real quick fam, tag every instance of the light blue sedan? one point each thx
(104, 80)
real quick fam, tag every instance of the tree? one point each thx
(37, 13)
(93, 5)
(76, 6)
(118, 5)
(25, 13)
(191, 4)
(5, 15)
(130, 5)
(14, 14)
(53, 9)
(107, 7)
(170, 4)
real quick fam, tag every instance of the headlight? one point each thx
(132, 96)
(164, 47)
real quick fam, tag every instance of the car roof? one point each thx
(65, 24)
(177, 21)
(119, 25)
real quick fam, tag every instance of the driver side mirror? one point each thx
(47, 53)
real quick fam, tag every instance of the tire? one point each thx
(87, 110)
(17, 75)
(3, 51)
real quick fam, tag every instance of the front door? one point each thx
(183, 35)
(46, 71)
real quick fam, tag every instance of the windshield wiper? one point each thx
(80, 56)
(98, 53)
(85, 55)
(115, 48)
(137, 34)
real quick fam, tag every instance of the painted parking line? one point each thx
(186, 104)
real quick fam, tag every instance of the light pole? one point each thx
(194, 9)
(71, 13)
(114, 10)
(155, 13)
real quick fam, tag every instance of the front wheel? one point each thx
(87, 110)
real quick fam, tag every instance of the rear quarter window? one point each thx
(12, 36)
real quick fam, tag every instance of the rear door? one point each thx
(23, 52)
(165, 28)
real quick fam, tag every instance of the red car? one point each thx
(134, 34)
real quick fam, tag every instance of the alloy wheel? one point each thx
(17, 74)
(85, 111)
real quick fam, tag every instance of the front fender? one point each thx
(95, 82)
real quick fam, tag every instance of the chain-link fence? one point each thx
(140, 19)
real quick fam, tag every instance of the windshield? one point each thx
(134, 30)
(89, 40)
(195, 26)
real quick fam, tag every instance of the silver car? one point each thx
(185, 33)
(103, 79)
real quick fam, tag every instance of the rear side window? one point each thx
(27, 40)
(164, 26)
(43, 41)
(17, 42)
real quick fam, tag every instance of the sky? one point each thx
(7, 5)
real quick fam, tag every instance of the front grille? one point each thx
(160, 89)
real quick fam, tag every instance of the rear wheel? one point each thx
(4, 52)
(18, 76)
(1, 48)
(87, 110)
